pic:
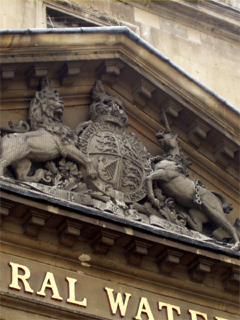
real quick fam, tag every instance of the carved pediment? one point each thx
(87, 155)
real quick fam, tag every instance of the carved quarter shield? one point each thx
(120, 159)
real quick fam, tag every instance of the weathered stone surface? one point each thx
(170, 172)
(100, 164)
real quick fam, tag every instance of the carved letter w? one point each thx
(118, 303)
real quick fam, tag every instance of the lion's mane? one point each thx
(42, 115)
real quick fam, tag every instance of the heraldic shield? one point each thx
(120, 159)
(118, 156)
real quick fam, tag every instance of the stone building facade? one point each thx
(102, 214)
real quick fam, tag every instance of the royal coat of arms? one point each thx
(119, 157)
(100, 164)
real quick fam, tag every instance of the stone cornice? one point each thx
(101, 233)
(48, 205)
(45, 45)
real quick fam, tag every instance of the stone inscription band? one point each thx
(117, 302)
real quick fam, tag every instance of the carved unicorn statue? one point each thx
(170, 173)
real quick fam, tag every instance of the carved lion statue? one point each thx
(47, 139)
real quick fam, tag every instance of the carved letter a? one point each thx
(49, 282)
(145, 308)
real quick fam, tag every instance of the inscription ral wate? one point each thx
(100, 298)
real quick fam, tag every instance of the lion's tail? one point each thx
(227, 206)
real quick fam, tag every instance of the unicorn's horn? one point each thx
(166, 121)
